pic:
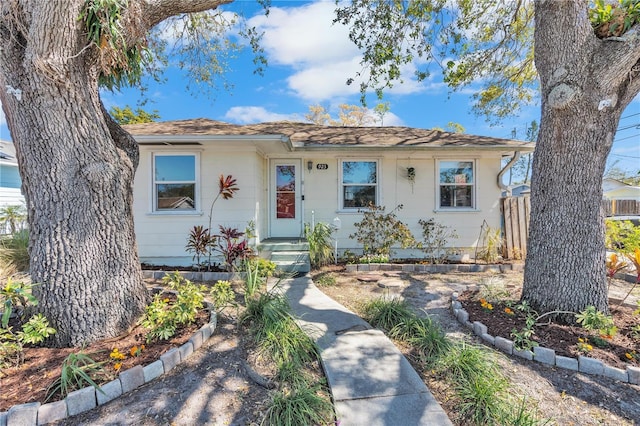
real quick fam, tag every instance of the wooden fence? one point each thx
(515, 212)
(621, 207)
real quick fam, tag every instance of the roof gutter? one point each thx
(516, 157)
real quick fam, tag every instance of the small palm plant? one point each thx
(320, 247)
(12, 216)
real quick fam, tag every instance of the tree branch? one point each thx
(616, 56)
(122, 139)
(156, 11)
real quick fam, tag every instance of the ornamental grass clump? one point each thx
(78, 370)
(300, 398)
(299, 405)
(320, 240)
(482, 392)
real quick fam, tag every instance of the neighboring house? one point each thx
(519, 190)
(613, 189)
(10, 182)
(290, 174)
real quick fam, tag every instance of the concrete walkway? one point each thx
(372, 383)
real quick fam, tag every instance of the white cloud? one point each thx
(304, 36)
(255, 114)
(320, 54)
(390, 119)
(319, 83)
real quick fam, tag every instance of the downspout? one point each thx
(516, 157)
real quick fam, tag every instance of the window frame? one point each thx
(154, 192)
(341, 184)
(473, 185)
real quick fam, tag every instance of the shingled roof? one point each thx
(306, 135)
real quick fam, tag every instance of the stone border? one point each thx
(544, 355)
(437, 268)
(35, 413)
(192, 276)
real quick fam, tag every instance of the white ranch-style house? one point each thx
(290, 174)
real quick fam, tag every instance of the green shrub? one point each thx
(222, 295)
(263, 312)
(424, 335)
(163, 317)
(36, 330)
(254, 280)
(320, 243)
(378, 231)
(15, 296)
(622, 236)
(10, 349)
(435, 237)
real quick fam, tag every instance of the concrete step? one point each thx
(289, 266)
(277, 246)
(290, 256)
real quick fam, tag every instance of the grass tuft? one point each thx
(386, 312)
(300, 405)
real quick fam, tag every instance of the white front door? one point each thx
(286, 209)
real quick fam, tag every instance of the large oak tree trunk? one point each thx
(584, 88)
(76, 164)
(77, 182)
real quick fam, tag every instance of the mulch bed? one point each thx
(559, 337)
(29, 381)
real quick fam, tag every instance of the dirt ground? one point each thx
(212, 387)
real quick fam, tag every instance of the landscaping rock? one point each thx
(616, 373)
(590, 365)
(185, 350)
(567, 363)
(23, 414)
(504, 345)
(528, 355)
(488, 339)
(479, 328)
(133, 377)
(171, 358)
(634, 375)
(110, 391)
(544, 355)
(81, 400)
(51, 412)
(153, 371)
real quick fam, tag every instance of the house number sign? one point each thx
(322, 166)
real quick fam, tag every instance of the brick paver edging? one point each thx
(35, 413)
(544, 355)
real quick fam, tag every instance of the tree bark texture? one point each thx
(77, 168)
(586, 83)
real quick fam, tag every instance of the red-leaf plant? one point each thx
(232, 248)
(202, 241)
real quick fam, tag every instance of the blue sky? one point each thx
(309, 62)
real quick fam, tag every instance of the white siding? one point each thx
(418, 200)
(162, 238)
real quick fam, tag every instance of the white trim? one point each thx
(197, 211)
(378, 184)
(474, 186)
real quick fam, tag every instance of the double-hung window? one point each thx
(358, 184)
(174, 182)
(456, 187)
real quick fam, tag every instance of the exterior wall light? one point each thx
(411, 174)
(309, 165)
